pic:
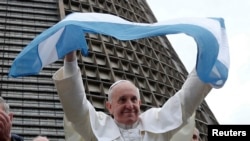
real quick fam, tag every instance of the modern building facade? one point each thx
(151, 63)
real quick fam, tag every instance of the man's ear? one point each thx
(11, 116)
(109, 107)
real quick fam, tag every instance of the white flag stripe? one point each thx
(48, 46)
(224, 49)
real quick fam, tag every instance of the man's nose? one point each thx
(129, 104)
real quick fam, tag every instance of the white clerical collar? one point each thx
(123, 126)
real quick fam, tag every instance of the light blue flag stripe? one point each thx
(68, 35)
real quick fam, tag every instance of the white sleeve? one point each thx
(192, 94)
(178, 108)
(70, 68)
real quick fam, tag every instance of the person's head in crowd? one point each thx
(196, 135)
(6, 118)
(40, 138)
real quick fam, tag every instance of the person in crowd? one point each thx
(126, 122)
(40, 138)
(6, 118)
(196, 135)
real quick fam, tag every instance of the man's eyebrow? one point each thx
(122, 97)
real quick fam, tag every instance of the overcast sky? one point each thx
(231, 103)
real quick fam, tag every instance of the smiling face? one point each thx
(125, 103)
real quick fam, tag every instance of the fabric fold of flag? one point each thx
(68, 35)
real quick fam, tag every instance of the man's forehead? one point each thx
(119, 82)
(126, 95)
(124, 87)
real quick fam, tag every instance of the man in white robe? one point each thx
(83, 123)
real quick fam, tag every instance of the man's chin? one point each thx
(129, 115)
(131, 119)
(130, 122)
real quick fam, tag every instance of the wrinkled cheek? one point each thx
(138, 111)
(118, 113)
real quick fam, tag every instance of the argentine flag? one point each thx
(68, 35)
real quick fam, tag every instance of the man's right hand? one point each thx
(71, 56)
(5, 126)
